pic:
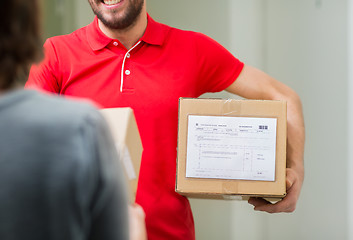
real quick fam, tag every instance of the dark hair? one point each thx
(20, 40)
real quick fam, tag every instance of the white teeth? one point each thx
(111, 2)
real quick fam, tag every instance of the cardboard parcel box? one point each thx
(231, 149)
(125, 133)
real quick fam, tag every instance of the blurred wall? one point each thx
(307, 49)
(84, 14)
(303, 43)
(59, 17)
(350, 119)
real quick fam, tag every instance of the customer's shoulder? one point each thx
(61, 112)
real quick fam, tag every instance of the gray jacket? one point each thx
(59, 178)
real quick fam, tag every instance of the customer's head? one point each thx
(20, 40)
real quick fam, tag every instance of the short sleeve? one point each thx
(218, 68)
(45, 75)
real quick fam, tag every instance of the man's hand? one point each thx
(288, 204)
(255, 84)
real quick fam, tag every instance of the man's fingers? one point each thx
(257, 202)
(284, 205)
(261, 204)
(290, 178)
(287, 204)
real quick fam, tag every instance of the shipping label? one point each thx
(227, 147)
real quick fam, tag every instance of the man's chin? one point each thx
(114, 23)
(115, 18)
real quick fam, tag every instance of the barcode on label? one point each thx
(263, 127)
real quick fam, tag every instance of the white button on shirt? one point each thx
(127, 72)
(115, 44)
(128, 55)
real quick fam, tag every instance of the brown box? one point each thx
(128, 142)
(231, 149)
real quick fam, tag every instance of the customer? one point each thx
(59, 178)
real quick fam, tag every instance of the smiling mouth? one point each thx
(111, 2)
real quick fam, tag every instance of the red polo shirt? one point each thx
(165, 65)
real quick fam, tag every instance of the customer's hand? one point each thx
(137, 225)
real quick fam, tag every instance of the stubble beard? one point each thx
(129, 19)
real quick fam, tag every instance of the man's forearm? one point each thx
(296, 135)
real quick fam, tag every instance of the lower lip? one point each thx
(113, 6)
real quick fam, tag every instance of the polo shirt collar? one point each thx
(155, 34)
(96, 38)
